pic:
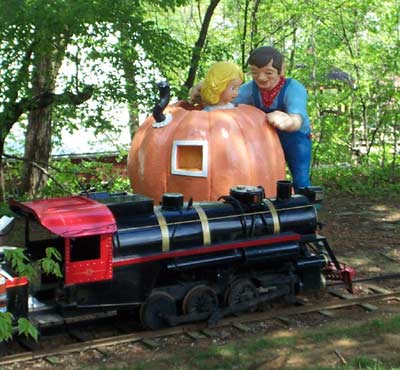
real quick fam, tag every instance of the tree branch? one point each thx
(40, 167)
(12, 94)
(45, 99)
(198, 47)
(15, 110)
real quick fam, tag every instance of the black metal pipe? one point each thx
(273, 253)
(164, 91)
(284, 190)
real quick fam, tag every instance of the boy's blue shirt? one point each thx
(294, 101)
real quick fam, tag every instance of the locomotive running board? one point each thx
(237, 244)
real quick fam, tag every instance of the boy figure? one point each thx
(285, 102)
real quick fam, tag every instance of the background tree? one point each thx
(336, 48)
(36, 37)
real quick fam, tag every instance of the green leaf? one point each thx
(49, 264)
(26, 327)
(5, 326)
(53, 253)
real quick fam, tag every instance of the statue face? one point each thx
(266, 77)
(231, 91)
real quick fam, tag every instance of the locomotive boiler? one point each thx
(176, 261)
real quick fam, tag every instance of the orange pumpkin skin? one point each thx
(242, 150)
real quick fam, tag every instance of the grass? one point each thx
(362, 180)
(360, 331)
(279, 350)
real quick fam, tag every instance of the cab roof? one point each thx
(67, 217)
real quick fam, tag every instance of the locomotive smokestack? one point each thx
(283, 190)
(164, 91)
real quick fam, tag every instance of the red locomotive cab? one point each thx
(80, 228)
(88, 259)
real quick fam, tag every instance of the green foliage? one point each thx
(12, 177)
(21, 265)
(5, 209)
(91, 174)
(109, 43)
(366, 363)
(358, 363)
(69, 178)
(345, 52)
(49, 264)
(366, 180)
(6, 320)
(25, 327)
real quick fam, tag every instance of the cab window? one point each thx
(85, 248)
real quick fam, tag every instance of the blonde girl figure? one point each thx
(221, 86)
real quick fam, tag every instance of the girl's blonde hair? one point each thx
(217, 80)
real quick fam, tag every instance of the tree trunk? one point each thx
(38, 138)
(130, 72)
(37, 149)
(2, 186)
(133, 118)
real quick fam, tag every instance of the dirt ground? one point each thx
(365, 234)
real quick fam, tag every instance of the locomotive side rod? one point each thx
(251, 304)
(220, 313)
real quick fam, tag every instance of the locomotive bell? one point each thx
(172, 201)
(248, 194)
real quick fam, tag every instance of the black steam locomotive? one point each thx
(178, 261)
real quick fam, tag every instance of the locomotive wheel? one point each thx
(154, 311)
(200, 299)
(241, 291)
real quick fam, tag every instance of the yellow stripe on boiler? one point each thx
(163, 228)
(274, 214)
(205, 226)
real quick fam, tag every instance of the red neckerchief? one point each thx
(268, 96)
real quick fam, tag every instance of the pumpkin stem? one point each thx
(164, 91)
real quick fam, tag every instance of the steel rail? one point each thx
(186, 329)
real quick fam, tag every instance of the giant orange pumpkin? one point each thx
(203, 154)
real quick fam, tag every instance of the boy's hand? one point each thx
(283, 121)
(195, 94)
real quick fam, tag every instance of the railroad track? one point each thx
(339, 299)
(394, 276)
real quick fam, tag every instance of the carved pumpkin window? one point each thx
(190, 158)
